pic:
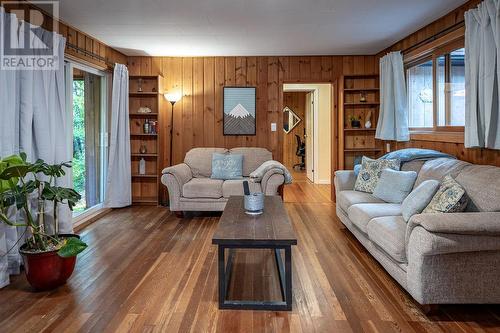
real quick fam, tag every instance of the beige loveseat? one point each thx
(437, 258)
(190, 187)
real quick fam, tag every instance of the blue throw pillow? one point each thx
(227, 166)
(394, 186)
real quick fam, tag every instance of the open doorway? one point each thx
(307, 112)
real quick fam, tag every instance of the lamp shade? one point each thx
(172, 97)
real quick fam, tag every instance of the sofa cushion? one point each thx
(388, 233)
(438, 168)
(227, 166)
(419, 198)
(200, 160)
(394, 186)
(346, 199)
(203, 188)
(235, 187)
(253, 157)
(370, 173)
(482, 185)
(361, 214)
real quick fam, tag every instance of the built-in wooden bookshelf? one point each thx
(145, 91)
(359, 97)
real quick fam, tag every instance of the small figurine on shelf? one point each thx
(139, 85)
(143, 149)
(142, 166)
(362, 98)
(355, 121)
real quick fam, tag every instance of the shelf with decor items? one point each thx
(145, 103)
(359, 105)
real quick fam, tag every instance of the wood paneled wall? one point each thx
(296, 101)
(198, 116)
(432, 30)
(79, 45)
(419, 38)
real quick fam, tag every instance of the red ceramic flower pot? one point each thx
(47, 270)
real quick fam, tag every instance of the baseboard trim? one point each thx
(323, 182)
(87, 220)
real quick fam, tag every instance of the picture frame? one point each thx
(239, 111)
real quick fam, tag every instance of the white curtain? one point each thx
(482, 73)
(118, 186)
(34, 121)
(393, 119)
(9, 127)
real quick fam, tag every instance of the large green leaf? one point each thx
(7, 180)
(72, 246)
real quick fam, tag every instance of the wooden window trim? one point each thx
(432, 51)
(437, 136)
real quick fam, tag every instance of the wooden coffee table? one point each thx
(271, 230)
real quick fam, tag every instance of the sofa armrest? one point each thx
(434, 234)
(483, 223)
(174, 178)
(271, 180)
(181, 172)
(344, 180)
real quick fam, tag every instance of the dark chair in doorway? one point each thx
(301, 152)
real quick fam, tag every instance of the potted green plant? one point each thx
(49, 257)
(355, 121)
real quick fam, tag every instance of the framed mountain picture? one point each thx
(239, 111)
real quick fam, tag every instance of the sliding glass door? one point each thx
(88, 103)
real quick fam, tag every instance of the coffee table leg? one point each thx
(222, 276)
(288, 277)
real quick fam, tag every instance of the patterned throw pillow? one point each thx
(370, 173)
(450, 198)
(227, 166)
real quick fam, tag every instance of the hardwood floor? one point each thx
(148, 271)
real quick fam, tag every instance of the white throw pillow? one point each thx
(419, 198)
(394, 186)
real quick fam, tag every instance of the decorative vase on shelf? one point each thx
(368, 123)
(362, 98)
(143, 149)
(142, 166)
(146, 127)
(139, 85)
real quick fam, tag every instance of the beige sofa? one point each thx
(190, 187)
(437, 258)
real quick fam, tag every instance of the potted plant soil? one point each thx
(49, 257)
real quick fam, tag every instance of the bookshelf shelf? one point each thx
(359, 100)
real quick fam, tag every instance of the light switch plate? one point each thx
(273, 127)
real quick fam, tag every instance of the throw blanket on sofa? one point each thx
(413, 154)
(410, 154)
(259, 173)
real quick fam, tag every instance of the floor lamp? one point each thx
(172, 98)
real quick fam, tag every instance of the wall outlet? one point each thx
(388, 147)
(273, 127)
